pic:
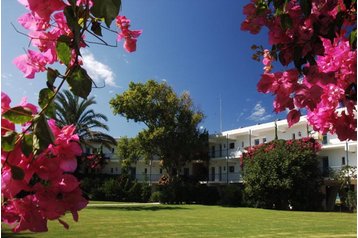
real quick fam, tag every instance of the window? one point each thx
(324, 139)
(88, 150)
(116, 169)
(112, 150)
(257, 141)
(293, 136)
(231, 169)
(145, 170)
(186, 171)
(299, 134)
(213, 151)
(242, 144)
(160, 171)
(264, 140)
(111, 170)
(232, 145)
(343, 160)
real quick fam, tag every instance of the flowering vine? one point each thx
(38, 162)
(317, 38)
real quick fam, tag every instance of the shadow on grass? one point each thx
(136, 208)
(9, 234)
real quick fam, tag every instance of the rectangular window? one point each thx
(112, 150)
(324, 139)
(293, 136)
(145, 170)
(231, 169)
(343, 161)
(242, 144)
(232, 145)
(111, 170)
(213, 151)
(257, 141)
(264, 140)
(186, 171)
(160, 171)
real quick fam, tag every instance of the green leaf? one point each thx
(72, 22)
(8, 141)
(26, 144)
(306, 6)
(63, 50)
(18, 115)
(80, 83)
(17, 173)
(45, 99)
(42, 134)
(286, 21)
(96, 28)
(107, 9)
(353, 39)
(52, 74)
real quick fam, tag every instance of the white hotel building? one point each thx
(226, 147)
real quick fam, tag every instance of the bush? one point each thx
(231, 195)
(283, 173)
(155, 197)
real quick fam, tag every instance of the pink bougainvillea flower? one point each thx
(33, 23)
(129, 36)
(293, 117)
(45, 8)
(33, 62)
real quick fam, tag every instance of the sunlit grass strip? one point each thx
(121, 220)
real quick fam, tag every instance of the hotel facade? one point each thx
(225, 149)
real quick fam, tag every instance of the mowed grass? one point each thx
(143, 220)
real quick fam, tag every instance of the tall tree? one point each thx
(71, 110)
(171, 121)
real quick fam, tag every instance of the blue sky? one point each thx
(193, 45)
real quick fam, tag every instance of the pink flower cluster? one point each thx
(129, 36)
(40, 188)
(46, 22)
(43, 34)
(324, 86)
(306, 143)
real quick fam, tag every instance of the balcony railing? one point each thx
(233, 153)
(225, 177)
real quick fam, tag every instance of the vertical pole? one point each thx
(250, 137)
(221, 120)
(227, 159)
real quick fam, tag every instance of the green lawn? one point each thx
(136, 220)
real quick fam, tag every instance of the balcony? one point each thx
(223, 154)
(223, 178)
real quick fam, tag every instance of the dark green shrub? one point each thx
(155, 197)
(231, 195)
(283, 173)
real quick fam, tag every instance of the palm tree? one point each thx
(70, 109)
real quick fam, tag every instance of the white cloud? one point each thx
(98, 71)
(258, 113)
(6, 76)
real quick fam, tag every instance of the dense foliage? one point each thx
(283, 173)
(171, 121)
(317, 41)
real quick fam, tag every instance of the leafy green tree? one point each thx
(129, 151)
(171, 121)
(70, 109)
(283, 173)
